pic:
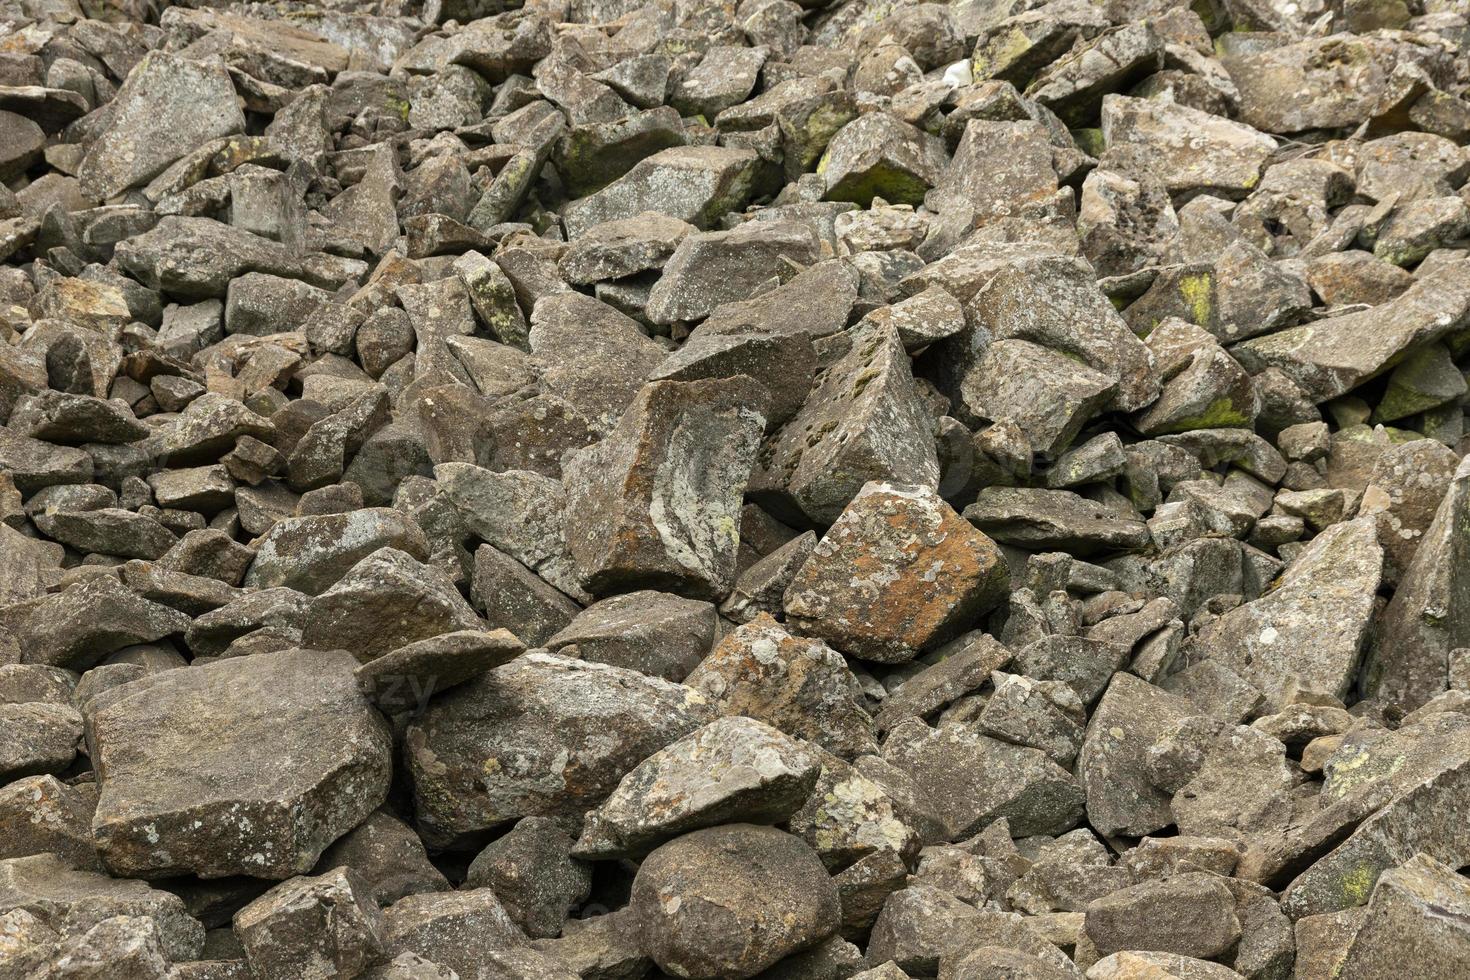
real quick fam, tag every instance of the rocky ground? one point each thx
(676, 488)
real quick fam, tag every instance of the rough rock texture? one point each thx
(781, 489)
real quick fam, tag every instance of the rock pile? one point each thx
(801, 489)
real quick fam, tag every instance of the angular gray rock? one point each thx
(194, 779)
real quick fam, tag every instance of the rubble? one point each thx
(826, 489)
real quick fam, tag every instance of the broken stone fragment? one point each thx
(800, 686)
(1307, 634)
(714, 267)
(310, 554)
(240, 805)
(481, 753)
(862, 421)
(656, 504)
(331, 919)
(898, 573)
(85, 622)
(386, 601)
(733, 770)
(405, 678)
(70, 902)
(691, 183)
(1054, 519)
(167, 106)
(1330, 358)
(653, 632)
(1413, 924)
(464, 933)
(880, 155)
(1033, 794)
(1190, 151)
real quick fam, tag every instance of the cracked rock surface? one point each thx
(734, 489)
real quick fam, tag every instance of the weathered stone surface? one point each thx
(71, 901)
(732, 900)
(166, 107)
(798, 685)
(88, 620)
(535, 876)
(1032, 793)
(1186, 149)
(862, 421)
(1414, 924)
(1424, 620)
(1131, 717)
(654, 632)
(1308, 634)
(532, 738)
(405, 678)
(733, 770)
(193, 779)
(656, 504)
(898, 573)
(311, 554)
(386, 601)
(1053, 519)
(1331, 358)
(994, 463)
(330, 922)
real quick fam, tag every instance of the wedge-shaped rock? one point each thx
(1034, 794)
(388, 600)
(798, 685)
(1132, 717)
(591, 355)
(71, 420)
(1429, 614)
(657, 503)
(71, 901)
(310, 554)
(1333, 356)
(1049, 395)
(653, 632)
(34, 465)
(540, 736)
(1213, 391)
(518, 512)
(696, 184)
(733, 770)
(80, 625)
(167, 106)
(327, 448)
(1307, 634)
(407, 677)
(863, 421)
(1188, 150)
(621, 248)
(1418, 924)
(714, 267)
(1391, 818)
(1054, 519)
(199, 257)
(900, 572)
(1332, 82)
(108, 531)
(208, 429)
(465, 933)
(246, 766)
(880, 155)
